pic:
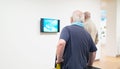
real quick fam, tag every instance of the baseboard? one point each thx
(117, 55)
(97, 60)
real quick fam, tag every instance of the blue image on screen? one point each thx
(50, 25)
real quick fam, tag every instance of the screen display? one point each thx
(49, 25)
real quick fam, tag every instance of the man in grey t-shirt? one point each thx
(75, 49)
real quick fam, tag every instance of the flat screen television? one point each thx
(49, 25)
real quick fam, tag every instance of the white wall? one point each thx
(118, 26)
(22, 46)
(111, 48)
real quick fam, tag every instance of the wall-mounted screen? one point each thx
(49, 25)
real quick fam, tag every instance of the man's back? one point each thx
(77, 48)
(91, 28)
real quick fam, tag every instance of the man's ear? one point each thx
(71, 19)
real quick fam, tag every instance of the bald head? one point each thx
(87, 15)
(77, 16)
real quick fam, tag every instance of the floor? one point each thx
(107, 62)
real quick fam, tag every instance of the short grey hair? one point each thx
(78, 16)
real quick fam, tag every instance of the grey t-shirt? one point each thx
(78, 45)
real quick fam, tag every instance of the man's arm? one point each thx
(60, 50)
(91, 58)
(96, 38)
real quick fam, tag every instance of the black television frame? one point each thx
(42, 25)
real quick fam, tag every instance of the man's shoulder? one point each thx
(68, 26)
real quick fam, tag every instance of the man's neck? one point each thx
(87, 19)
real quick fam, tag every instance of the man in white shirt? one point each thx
(90, 27)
